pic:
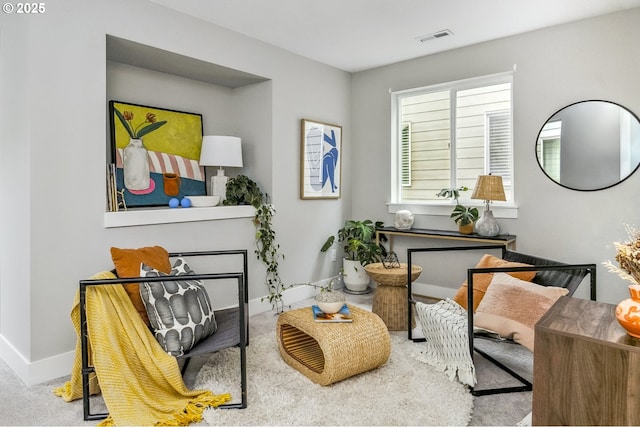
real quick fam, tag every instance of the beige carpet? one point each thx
(404, 391)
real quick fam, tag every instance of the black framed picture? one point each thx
(156, 153)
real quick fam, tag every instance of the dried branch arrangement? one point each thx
(628, 257)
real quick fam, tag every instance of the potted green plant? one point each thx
(242, 190)
(358, 241)
(464, 216)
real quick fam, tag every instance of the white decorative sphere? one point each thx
(403, 220)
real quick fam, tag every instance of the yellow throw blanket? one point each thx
(140, 383)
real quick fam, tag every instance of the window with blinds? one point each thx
(450, 133)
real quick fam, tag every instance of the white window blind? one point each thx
(405, 154)
(499, 145)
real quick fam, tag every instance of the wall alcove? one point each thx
(232, 102)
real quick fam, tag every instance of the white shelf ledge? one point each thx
(168, 215)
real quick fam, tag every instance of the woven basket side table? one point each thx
(390, 298)
(330, 352)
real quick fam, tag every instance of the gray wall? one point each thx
(54, 80)
(592, 59)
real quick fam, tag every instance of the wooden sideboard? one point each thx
(586, 367)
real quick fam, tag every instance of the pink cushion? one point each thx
(511, 307)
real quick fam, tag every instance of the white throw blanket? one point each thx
(444, 325)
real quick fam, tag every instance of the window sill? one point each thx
(167, 215)
(499, 210)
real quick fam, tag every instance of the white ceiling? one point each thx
(355, 35)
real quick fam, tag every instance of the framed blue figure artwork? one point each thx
(320, 160)
(156, 153)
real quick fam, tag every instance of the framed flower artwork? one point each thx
(156, 153)
(321, 160)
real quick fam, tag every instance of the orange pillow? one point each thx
(127, 263)
(482, 281)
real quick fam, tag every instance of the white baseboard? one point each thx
(51, 368)
(32, 373)
(289, 297)
(16, 362)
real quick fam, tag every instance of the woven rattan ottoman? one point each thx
(330, 352)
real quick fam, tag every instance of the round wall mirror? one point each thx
(589, 145)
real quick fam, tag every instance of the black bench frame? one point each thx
(548, 273)
(233, 323)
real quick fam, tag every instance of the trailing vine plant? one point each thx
(241, 190)
(268, 251)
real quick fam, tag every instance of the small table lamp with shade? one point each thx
(221, 151)
(488, 188)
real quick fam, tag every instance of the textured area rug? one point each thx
(404, 391)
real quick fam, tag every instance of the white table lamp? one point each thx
(221, 151)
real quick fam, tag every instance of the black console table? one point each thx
(508, 240)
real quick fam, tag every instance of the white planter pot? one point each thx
(354, 275)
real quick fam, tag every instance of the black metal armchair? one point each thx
(548, 273)
(233, 323)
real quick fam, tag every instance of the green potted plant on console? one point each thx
(464, 216)
(358, 241)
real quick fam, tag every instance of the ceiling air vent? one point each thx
(433, 36)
